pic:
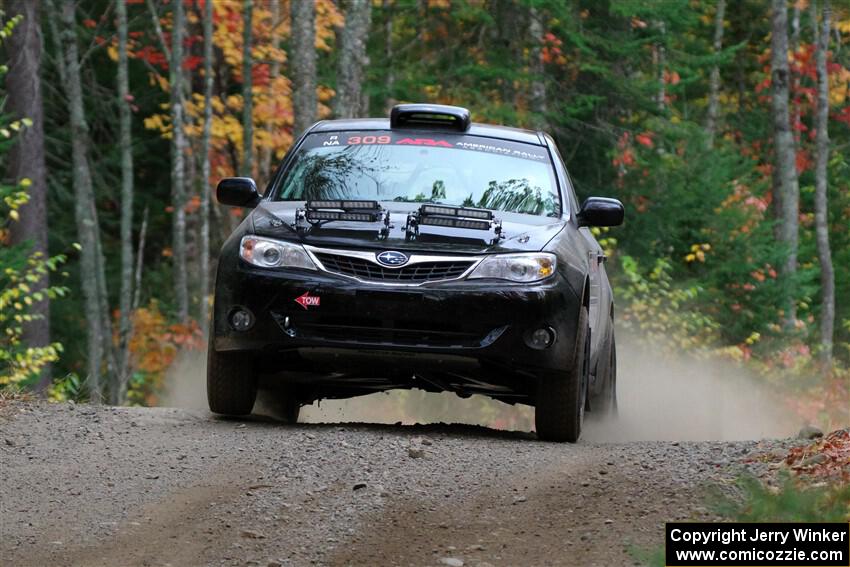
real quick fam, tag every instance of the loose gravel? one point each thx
(90, 485)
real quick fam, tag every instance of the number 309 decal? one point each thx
(354, 140)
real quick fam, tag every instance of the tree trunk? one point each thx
(140, 261)
(538, 87)
(827, 273)
(26, 156)
(303, 53)
(714, 81)
(349, 101)
(126, 144)
(785, 178)
(178, 165)
(794, 75)
(387, 8)
(266, 153)
(88, 231)
(105, 312)
(506, 33)
(247, 94)
(661, 62)
(205, 168)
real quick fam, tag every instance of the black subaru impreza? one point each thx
(421, 251)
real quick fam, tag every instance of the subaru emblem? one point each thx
(392, 259)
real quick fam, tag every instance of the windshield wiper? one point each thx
(317, 213)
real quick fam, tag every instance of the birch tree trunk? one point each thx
(178, 164)
(126, 145)
(538, 87)
(205, 169)
(387, 8)
(303, 53)
(785, 177)
(794, 76)
(88, 230)
(247, 94)
(349, 101)
(827, 272)
(26, 156)
(266, 154)
(714, 80)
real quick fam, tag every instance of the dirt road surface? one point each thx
(86, 485)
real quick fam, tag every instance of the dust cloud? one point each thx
(660, 398)
(684, 398)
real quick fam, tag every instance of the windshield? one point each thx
(467, 171)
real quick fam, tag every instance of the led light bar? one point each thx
(371, 205)
(318, 216)
(455, 222)
(344, 205)
(456, 212)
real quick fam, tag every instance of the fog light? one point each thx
(241, 319)
(541, 338)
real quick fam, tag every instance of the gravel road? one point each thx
(88, 485)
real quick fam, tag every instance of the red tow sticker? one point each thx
(308, 300)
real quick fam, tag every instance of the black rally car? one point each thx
(420, 251)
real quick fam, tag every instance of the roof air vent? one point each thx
(429, 116)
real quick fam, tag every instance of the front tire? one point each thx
(231, 382)
(561, 398)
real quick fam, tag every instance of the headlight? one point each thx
(523, 268)
(267, 253)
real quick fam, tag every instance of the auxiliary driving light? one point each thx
(456, 212)
(541, 338)
(241, 319)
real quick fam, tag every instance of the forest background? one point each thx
(722, 126)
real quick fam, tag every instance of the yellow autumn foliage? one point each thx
(272, 100)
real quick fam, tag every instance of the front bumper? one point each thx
(472, 327)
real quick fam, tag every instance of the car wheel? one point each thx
(231, 382)
(607, 402)
(561, 398)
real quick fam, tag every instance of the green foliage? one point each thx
(791, 502)
(661, 312)
(69, 388)
(754, 501)
(653, 557)
(21, 271)
(19, 362)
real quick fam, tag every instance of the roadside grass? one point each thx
(793, 500)
(13, 393)
(653, 557)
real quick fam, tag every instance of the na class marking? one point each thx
(392, 259)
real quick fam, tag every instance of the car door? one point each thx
(595, 257)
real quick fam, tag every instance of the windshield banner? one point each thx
(428, 140)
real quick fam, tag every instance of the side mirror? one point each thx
(600, 211)
(237, 192)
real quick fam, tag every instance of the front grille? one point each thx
(382, 336)
(419, 272)
(351, 330)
